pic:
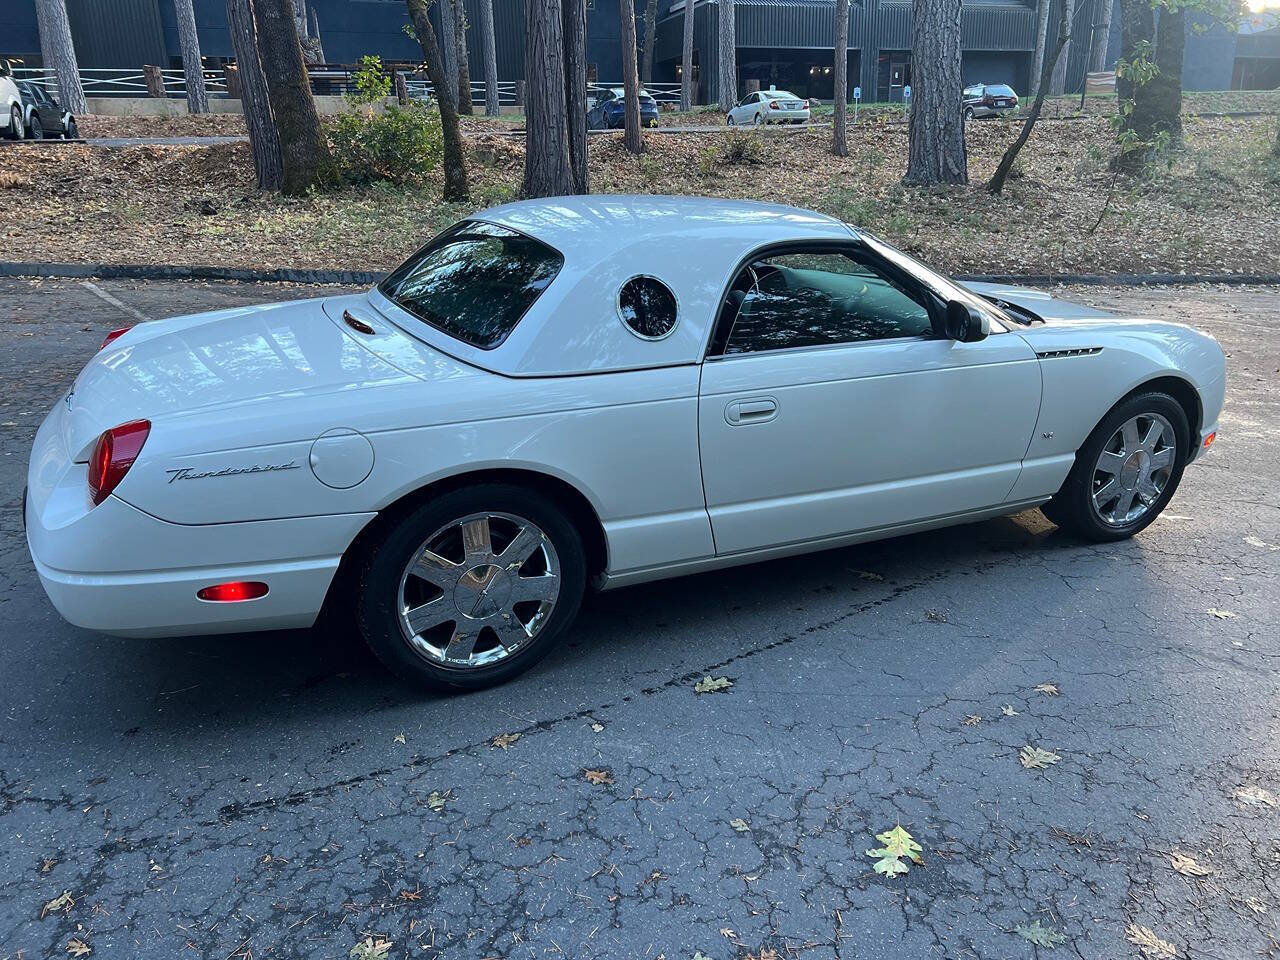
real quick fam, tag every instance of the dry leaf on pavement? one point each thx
(1048, 689)
(1041, 936)
(599, 777)
(504, 740)
(371, 948)
(78, 948)
(740, 825)
(1034, 758)
(437, 800)
(972, 720)
(898, 846)
(1254, 796)
(1220, 614)
(1148, 944)
(712, 684)
(64, 902)
(1188, 866)
(1008, 710)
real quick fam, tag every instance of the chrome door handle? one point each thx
(753, 410)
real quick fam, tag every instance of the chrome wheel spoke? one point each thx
(544, 588)
(462, 643)
(1162, 459)
(1130, 468)
(520, 549)
(510, 631)
(436, 569)
(427, 615)
(1111, 463)
(1106, 493)
(1123, 504)
(1148, 492)
(1154, 432)
(476, 542)
(1129, 433)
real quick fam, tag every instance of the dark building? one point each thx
(787, 43)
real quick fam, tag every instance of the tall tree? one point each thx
(60, 53)
(1157, 105)
(488, 40)
(1042, 37)
(1137, 33)
(464, 60)
(686, 59)
(630, 81)
(312, 51)
(997, 181)
(263, 139)
(840, 98)
(1058, 82)
(455, 166)
(650, 37)
(1101, 36)
(192, 65)
(728, 56)
(575, 89)
(546, 151)
(449, 47)
(304, 150)
(936, 148)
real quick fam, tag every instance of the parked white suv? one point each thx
(10, 105)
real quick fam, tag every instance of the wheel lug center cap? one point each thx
(482, 592)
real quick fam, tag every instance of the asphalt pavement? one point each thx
(278, 795)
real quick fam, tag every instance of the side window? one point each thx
(816, 298)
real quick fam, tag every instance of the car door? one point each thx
(828, 406)
(745, 109)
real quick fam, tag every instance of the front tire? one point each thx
(73, 132)
(1127, 470)
(16, 126)
(37, 128)
(729, 120)
(471, 588)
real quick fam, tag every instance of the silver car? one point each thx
(769, 106)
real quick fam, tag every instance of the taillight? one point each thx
(113, 455)
(233, 592)
(988, 99)
(114, 334)
(805, 105)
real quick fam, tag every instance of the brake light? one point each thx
(804, 105)
(988, 99)
(233, 592)
(114, 334)
(113, 455)
(773, 105)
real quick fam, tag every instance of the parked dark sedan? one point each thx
(989, 100)
(43, 116)
(609, 110)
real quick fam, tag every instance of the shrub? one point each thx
(397, 144)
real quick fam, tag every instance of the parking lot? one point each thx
(281, 796)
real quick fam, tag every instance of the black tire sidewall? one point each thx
(17, 129)
(37, 128)
(379, 581)
(1073, 506)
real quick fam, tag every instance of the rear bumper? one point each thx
(980, 111)
(790, 116)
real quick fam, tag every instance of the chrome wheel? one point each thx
(478, 590)
(1133, 469)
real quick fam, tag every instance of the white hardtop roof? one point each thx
(692, 244)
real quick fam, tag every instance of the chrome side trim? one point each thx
(1074, 352)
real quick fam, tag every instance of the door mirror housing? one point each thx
(966, 324)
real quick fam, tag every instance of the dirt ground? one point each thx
(1214, 209)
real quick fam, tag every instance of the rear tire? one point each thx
(73, 132)
(37, 128)
(968, 113)
(1115, 496)
(484, 632)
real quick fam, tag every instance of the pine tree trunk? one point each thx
(60, 53)
(315, 45)
(192, 65)
(996, 183)
(686, 59)
(464, 59)
(1101, 37)
(449, 47)
(936, 149)
(1042, 36)
(575, 89)
(728, 56)
(840, 97)
(1161, 98)
(263, 139)
(650, 36)
(546, 152)
(490, 44)
(1058, 82)
(455, 166)
(304, 150)
(630, 80)
(1137, 28)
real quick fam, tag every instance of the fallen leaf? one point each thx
(897, 845)
(727, 933)
(596, 726)
(712, 684)
(972, 720)
(1254, 904)
(1008, 710)
(47, 865)
(371, 948)
(1220, 614)
(1254, 796)
(437, 800)
(399, 738)
(504, 740)
(599, 777)
(1150, 945)
(740, 825)
(1046, 937)
(1048, 689)
(1261, 544)
(699, 955)
(868, 575)
(64, 903)
(1188, 866)
(935, 616)
(1034, 758)
(78, 948)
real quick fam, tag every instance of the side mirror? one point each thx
(5, 69)
(965, 324)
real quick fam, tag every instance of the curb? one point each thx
(160, 271)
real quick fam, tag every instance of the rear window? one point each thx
(474, 281)
(1000, 90)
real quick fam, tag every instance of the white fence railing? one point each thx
(507, 96)
(107, 82)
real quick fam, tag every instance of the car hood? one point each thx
(226, 358)
(1041, 303)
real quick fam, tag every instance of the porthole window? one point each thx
(648, 307)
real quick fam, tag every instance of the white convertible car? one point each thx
(586, 391)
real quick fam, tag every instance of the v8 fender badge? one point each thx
(190, 473)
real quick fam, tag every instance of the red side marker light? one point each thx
(114, 334)
(234, 591)
(113, 455)
(1209, 439)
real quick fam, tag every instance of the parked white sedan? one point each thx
(586, 391)
(769, 106)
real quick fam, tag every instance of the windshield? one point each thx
(944, 287)
(474, 281)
